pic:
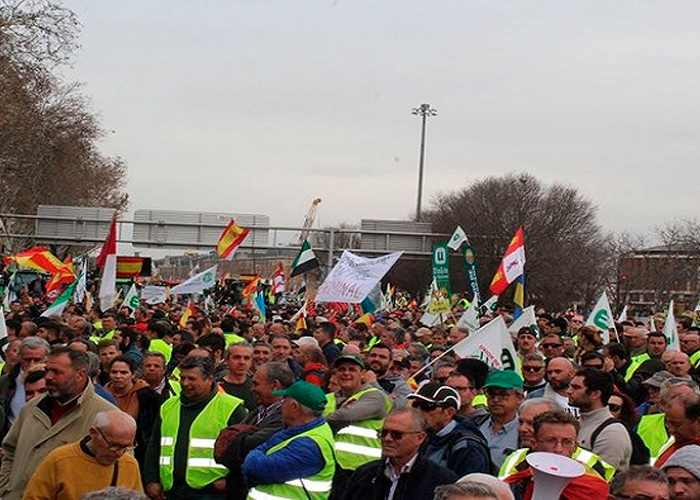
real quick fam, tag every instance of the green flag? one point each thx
(59, 305)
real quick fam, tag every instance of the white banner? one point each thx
(470, 318)
(197, 283)
(670, 331)
(353, 277)
(492, 344)
(527, 318)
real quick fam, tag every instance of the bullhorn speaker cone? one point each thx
(552, 473)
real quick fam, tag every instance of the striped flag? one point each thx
(230, 240)
(278, 280)
(187, 314)
(519, 297)
(57, 308)
(512, 265)
(107, 260)
(305, 260)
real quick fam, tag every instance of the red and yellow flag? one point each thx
(187, 314)
(512, 265)
(230, 240)
(41, 259)
(251, 288)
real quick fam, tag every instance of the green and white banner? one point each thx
(472, 277)
(441, 269)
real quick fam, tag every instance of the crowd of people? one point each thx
(338, 406)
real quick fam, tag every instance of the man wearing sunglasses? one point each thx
(455, 442)
(552, 346)
(403, 473)
(99, 460)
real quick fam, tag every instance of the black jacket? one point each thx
(370, 483)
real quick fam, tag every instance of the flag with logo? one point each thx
(305, 260)
(458, 237)
(230, 239)
(107, 261)
(512, 265)
(196, 284)
(81, 286)
(470, 318)
(601, 316)
(492, 344)
(132, 299)
(527, 318)
(59, 305)
(670, 330)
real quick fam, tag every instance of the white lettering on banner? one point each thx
(354, 277)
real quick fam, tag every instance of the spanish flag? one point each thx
(41, 259)
(251, 288)
(230, 240)
(187, 314)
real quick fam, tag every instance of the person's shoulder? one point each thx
(69, 452)
(436, 473)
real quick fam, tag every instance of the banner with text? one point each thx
(441, 269)
(472, 277)
(354, 277)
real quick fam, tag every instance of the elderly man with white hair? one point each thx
(97, 461)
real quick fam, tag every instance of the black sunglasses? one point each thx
(532, 368)
(396, 435)
(551, 346)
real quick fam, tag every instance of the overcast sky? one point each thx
(259, 106)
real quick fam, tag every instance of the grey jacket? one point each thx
(613, 444)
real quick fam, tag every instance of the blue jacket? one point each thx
(300, 458)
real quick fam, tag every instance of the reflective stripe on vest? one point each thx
(201, 468)
(510, 464)
(665, 447)
(635, 363)
(358, 443)
(592, 460)
(315, 487)
(652, 430)
(695, 359)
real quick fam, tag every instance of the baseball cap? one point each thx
(504, 379)
(306, 394)
(305, 341)
(437, 394)
(657, 379)
(352, 358)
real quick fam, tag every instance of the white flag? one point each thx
(429, 320)
(470, 318)
(623, 315)
(196, 284)
(670, 330)
(132, 299)
(601, 316)
(3, 328)
(354, 277)
(81, 287)
(492, 344)
(490, 305)
(527, 318)
(457, 239)
(10, 295)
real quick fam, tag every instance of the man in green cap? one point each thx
(298, 461)
(504, 393)
(356, 413)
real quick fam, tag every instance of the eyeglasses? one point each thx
(614, 407)
(552, 442)
(396, 435)
(551, 346)
(496, 394)
(424, 405)
(533, 369)
(115, 446)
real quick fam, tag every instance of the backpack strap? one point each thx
(601, 428)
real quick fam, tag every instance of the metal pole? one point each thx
(424, 111)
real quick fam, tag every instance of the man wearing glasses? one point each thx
(455, 442)
(533, 372)
(96, 462)
(504, 393)
(403, 473)
(556, 432)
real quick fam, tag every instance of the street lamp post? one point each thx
(424, 111)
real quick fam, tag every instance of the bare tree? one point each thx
(48, 133)
(566, 254)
